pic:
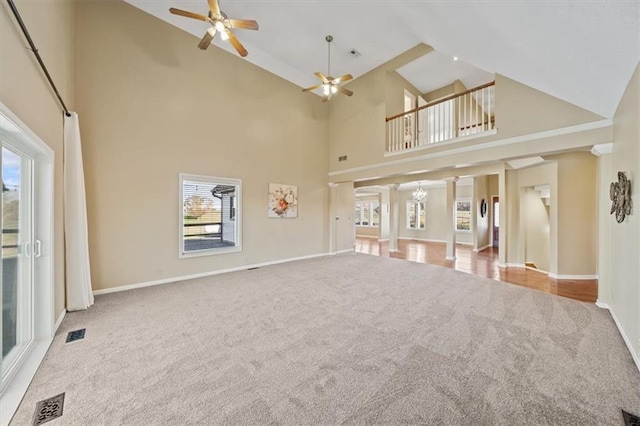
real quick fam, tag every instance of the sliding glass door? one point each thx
(19, 248)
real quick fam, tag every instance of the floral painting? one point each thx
(283, 200)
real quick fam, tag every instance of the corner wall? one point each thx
(624, 249)
(153, 105)
(26, 92)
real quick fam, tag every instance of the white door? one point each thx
(27, 258)
(18, 251)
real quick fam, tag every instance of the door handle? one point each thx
(26, 250)
(37, 250)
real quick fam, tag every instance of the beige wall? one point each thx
(153, 105)
(624, 245)
(395, 87)
(482, 224)
(577, 223)
(25, 91)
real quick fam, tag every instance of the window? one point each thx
(463, 215)
(367, 213)
(208, 210)
(415, 215)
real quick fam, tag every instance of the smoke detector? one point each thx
(354, 53)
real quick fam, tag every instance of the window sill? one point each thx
(210, 252)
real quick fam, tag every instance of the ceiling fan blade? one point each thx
(322, 77)
(208, 37)
(215, 8)
(236, 43)
(187, 14)
(345, 77)
(308, 89)
(245, 24)
(345, 91)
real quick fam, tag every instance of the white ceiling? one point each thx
(436, 70)
(579, 51)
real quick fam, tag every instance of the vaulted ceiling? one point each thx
(581, 52)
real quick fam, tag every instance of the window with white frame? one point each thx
(210, 212)
(367, 213)
(463, 215)
(415, 215)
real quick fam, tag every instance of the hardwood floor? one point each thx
(484, 263)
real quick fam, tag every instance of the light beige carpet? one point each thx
(348, 339)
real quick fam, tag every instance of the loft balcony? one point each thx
(470, 113)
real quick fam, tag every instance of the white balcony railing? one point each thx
(463, 114)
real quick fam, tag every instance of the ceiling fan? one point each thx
(219, 23)
(330, 86)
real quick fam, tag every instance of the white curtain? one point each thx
(78, 273)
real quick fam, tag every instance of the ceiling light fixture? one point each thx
(455, 58)
(330, 86)
(419, 195)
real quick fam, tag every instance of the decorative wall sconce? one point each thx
(620, 194)
(483, 208)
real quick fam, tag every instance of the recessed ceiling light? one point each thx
(455, 58)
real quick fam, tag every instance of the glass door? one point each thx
(18, 252)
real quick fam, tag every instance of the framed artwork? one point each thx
(283, 200)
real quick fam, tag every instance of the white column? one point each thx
(394, 212)
(502, 223)
(451, 218)
(605, 176)
(333, 217)
(384, 214)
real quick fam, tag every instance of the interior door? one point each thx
(495, 202)
(18, 252)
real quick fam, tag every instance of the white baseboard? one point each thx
(59, 320)
(308, 257)
(422, 239)
(207, 274)
(626, 339)
(511, 265)
(573, 277)
(482, 248)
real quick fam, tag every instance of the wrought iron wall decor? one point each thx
(620, 194)
(483, 208)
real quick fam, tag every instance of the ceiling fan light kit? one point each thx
(329, 85)
(220, 23)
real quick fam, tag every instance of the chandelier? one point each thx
(419, 195)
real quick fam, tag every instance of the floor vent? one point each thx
(630, 419)
(48, 409)
(530, 265)
(252, 269)
(75, 335)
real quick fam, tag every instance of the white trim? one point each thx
(351, 250)
(492, 144)
(626, 339)
(451, 258)
(206, 274)
(572, 277)
(479, 249)
(511, 265)
(422, 239)
(14, 131)
(18, 385)
(447, 142)
(603, 148)
(182, 177)
(59, 320)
